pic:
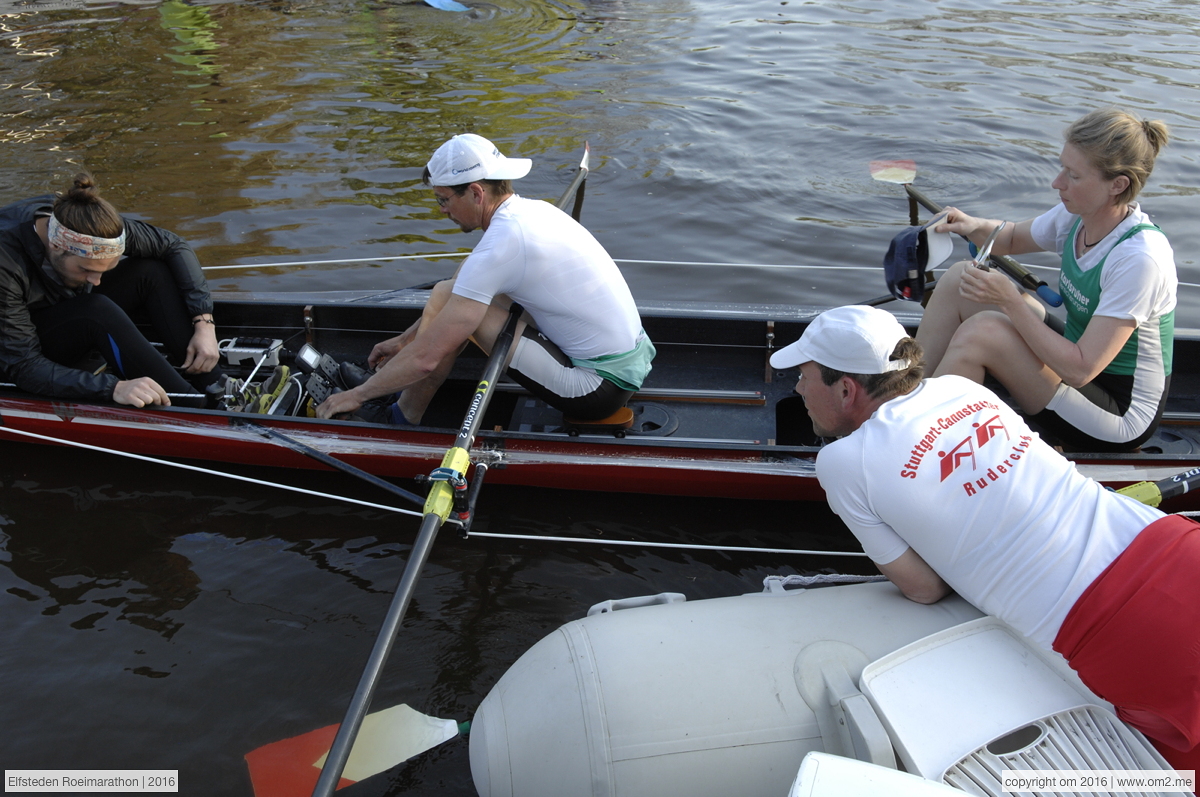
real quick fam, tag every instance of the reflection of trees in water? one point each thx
(194, 27)
(238, 123)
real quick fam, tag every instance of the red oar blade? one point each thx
(901, 171)
(290, 768)
(285, 768)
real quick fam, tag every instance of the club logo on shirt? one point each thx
(1076, 296)
(984, 433)
(961, 453)
(943, 425)
(963, 457)
(992, 474)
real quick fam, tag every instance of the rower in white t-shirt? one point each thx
(580, 347)
(947, 488)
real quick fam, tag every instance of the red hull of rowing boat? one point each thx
(606, 465)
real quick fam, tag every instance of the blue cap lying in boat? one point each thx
(912, 253)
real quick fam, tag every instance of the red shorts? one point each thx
(1134, 635)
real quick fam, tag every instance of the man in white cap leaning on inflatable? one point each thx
(580, 348)
(947, 488)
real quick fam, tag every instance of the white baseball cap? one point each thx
(467, 158)
(854, 339)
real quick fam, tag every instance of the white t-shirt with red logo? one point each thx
(1009, 523)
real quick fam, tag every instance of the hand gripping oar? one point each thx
(1005, 263)
(448, 486)
(1154, 493)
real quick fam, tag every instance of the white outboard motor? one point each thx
(712, 697)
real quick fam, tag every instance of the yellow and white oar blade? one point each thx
(290, 768)
(391, 736)
(901, 171)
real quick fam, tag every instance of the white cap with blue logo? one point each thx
(467, 158)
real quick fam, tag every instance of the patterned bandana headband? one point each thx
(92, 247)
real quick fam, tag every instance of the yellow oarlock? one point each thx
(441, 495)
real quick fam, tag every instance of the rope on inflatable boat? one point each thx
(781, 583)
(681, 545)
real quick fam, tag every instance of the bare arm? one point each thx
(438, 297)
(439, 339)
(1015, 239)
(916, 579)
(1075, 363)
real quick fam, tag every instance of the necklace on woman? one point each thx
(1083, 231)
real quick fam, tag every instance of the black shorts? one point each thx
(549, 374)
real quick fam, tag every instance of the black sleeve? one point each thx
(146, 240)
(21, 353)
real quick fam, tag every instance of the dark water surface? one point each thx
(155, 621)
(157, 618)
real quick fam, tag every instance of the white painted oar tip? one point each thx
(447, 5)
(894, 171)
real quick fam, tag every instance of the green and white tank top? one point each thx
(1081, 295)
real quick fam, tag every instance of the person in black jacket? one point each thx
(74, 277)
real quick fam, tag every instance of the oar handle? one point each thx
(1005, 263)
(1049, 296)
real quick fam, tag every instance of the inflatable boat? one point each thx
(661, 696)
